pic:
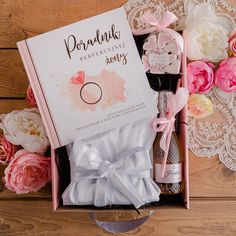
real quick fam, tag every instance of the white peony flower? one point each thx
(206, 33)
(25, 128)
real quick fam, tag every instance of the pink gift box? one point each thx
(60, 178)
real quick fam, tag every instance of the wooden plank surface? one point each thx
(8, 105)
(28, 218)
(21, 19)
(210, 178)
(13, 78)
(44, 193)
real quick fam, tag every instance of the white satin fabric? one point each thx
(113, 168)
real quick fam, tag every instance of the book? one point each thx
(87, 77)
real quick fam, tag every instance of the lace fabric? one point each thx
(215, 134)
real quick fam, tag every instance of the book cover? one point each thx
(87, 77)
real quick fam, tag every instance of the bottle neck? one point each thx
(165, 103)
(165, 99)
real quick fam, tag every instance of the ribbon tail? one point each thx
(149, 18)
(166, 151)
(177, 36)
(168, 18)
(180, 99)
(143, 31)
(127, 190)
(162, 122)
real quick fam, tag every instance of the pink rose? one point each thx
(200, 77)
(232, 43)
(27, 172)
(225, 76)
(30, 97)
(7, 150)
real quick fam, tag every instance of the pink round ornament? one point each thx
(161, 54)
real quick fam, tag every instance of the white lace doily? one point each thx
(216, 134)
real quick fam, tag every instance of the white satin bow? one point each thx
(134, 163)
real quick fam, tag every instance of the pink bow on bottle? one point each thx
(160, 25)
(166, 124)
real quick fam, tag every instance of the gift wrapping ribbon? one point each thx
(134, 162)
(166, 124)
(160, 25)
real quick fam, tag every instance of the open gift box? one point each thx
(59, 157)
(61, 167)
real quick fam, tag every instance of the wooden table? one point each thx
(213, 187)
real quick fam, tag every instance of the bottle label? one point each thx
(173, 173)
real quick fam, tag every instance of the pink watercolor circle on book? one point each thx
(91, 92)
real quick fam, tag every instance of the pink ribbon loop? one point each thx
(150, 19)
(166, 124)
(160, 25)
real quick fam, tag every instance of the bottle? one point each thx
(172, 182)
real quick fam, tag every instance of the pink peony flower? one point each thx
(199, 106)
(27, 172)
(200, 77)
(225, 76)
(7, 150)
(30, 97)
(232, 43)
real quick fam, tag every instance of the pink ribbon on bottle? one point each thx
(160, 25)
(166, 124)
